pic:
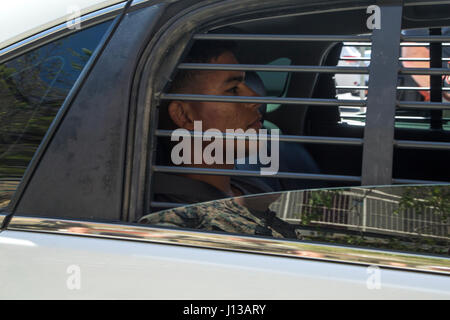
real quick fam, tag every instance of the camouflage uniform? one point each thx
(224, 215)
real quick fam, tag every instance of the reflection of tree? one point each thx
(32, 89)
(27, 108)
(83, 58)
(321, 203)
(415, 200)
(421, 198)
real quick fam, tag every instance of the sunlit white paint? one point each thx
(20, 19)
(116, 269)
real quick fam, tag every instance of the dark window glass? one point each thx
(403, 218)
(33, 87)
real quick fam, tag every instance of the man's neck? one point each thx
(223, 183)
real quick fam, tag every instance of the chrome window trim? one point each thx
(236, 243)
(61, 30)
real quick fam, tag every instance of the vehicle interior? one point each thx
(327, 121)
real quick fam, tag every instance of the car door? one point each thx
(69, 229)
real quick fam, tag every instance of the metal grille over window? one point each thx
(280, 77)
(320, 105)
(422, 129)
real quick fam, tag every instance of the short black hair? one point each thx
(202, 51)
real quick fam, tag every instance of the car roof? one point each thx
(20, 19)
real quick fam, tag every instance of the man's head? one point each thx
(218, 115)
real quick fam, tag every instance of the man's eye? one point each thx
(233, 90)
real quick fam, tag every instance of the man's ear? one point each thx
(180, 113)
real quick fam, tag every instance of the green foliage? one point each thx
(319, 201)
(420, 198)
(82, 58)
(32, 89)
(429, 236)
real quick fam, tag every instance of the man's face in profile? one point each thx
(218, 115)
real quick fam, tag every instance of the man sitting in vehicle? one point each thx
(229, 215)
(193, 188)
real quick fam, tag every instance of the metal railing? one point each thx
(364, 211)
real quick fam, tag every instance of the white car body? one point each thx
(37, 16)
(52, 266)
(78, 263)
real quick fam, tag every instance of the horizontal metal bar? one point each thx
(423, 105)
(413, 181)
(414, 44)
(419, 44)
(248, 173)
(414, 59)
(410, 144)
(425, 71)
(425, 38)
(421, 88)
(158, 204)
(286, 138)
(398, 119)
(421, 59)
(403, 44)
(280, 37)
(273, 68)
(357, 44)
(354, 58)
(289, 101)
(352, 87)
(398, 88)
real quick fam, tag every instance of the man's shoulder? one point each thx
(222, 215)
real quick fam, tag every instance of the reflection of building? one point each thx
(360, 209)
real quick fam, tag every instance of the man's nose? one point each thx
(249, 92)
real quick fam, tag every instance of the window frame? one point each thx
(33, 43)
(161, 58)
(171, 41)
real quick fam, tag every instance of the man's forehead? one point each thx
(226, 57)
(221, 77)
(232, 75)
(236, 76)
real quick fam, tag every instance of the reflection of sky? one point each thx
(57, 58)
